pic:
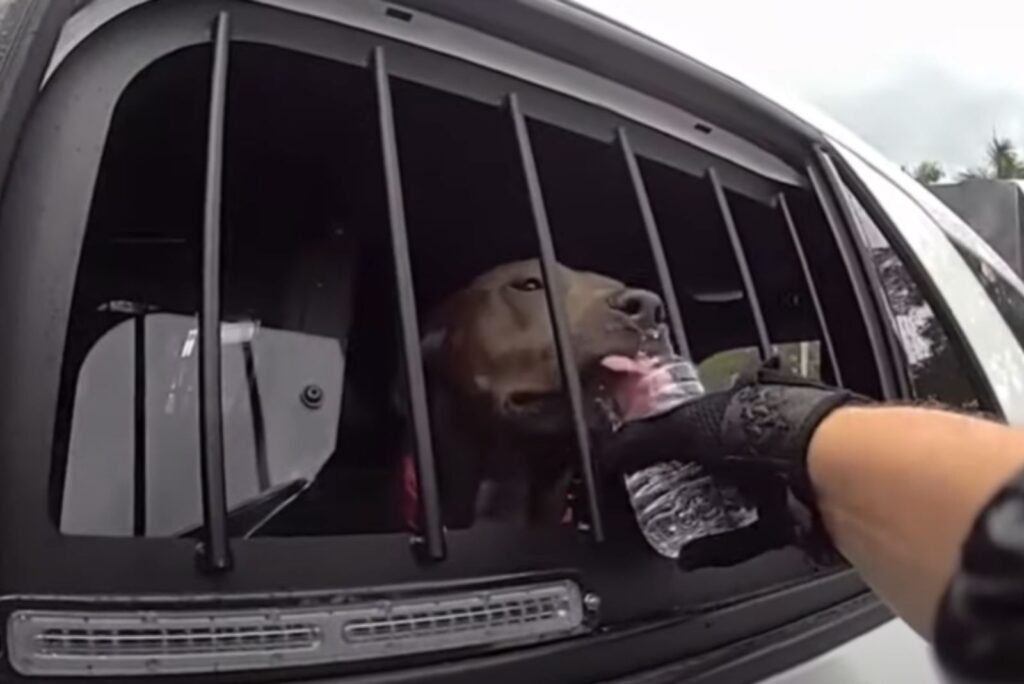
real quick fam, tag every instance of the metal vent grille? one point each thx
(496, 615)
(106, 644)
(166, 642)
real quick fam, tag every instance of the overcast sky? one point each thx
(918, 80)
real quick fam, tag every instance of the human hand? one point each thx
(764, 423)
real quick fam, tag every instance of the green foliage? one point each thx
(928, 172)
(1003, 161)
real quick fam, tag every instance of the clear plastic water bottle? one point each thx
(675, 502)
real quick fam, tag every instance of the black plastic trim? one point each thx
(764, 655)
(691, 645)
(731, 628)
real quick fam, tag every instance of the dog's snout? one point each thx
(644, 308)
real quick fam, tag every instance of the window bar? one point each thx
(668, 290)
(432, 543)
(763, 340)
(835, 223)
(139, 480)
(215, 548)
(556, 309)
(826, 336)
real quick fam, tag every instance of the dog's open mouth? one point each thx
(626, 388)
(622, 382)
(643, 386)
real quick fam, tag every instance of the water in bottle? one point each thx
(675, 502)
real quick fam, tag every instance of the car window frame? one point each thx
(947, 284)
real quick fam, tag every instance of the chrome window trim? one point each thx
(463, 43)
(997, 351)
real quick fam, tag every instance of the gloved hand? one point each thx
(764, 423)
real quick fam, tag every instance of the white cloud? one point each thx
(917, 79)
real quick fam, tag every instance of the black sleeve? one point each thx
(979, 630)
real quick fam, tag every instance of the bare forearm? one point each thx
(899, 488)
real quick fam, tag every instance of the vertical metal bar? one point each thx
(868, 315)
(556, 309)
(819, 312)
(668, 290)
(763, 340)
(215, 547)
(139, 481)
(259, 430)
(432, 543)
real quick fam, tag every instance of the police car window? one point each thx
(937, 368)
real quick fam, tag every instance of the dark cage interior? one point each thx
(315, 429)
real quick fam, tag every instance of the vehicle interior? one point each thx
(316, 417)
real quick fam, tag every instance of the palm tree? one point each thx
(1003, 162)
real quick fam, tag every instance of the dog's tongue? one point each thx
(624, 364)
(637, 386)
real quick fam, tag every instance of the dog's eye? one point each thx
(528, 284)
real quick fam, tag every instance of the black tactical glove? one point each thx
(763, 424)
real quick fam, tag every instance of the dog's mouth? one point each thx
(622, 385)
(619, 382)
(625, 386)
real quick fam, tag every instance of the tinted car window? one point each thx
(937, 368)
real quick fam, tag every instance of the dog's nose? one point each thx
(644, 308)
